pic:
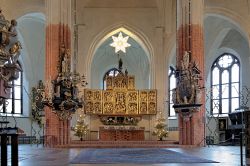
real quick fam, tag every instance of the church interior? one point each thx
(120, 82)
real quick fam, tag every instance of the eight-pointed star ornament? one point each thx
(120, 43)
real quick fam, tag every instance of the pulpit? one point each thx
(121, 133)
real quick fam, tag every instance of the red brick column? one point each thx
(57, 132)
(190, 38)
(198, 119)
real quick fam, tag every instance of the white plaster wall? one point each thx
(134, 60)
(241, 7)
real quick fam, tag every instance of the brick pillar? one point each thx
(190, 38)
(58, 32)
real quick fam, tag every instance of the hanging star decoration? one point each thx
(120, 43)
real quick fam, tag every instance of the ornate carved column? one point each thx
(58, 32)
(190, 40)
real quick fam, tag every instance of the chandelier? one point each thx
(9, 53)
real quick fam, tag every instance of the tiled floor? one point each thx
(39, 156)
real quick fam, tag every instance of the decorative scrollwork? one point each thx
(187, 94)
(119, 99)
(9, 53)
(37, 111)
(62, 94)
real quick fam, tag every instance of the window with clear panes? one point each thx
(172, 85)
(225, 84)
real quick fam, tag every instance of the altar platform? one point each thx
(125, 144)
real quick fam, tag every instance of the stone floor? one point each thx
(40, 156)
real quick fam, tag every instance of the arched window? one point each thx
(111, 72)
(225, 84)
(172, 85)
(13, 105)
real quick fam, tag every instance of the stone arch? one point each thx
(30, 39)
(15, 9)
(31, 34)
(230, 16)
(134, 33)
(171, 50)
(235, 24)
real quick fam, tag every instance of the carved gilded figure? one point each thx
(109, 82)
(152, 108)
(97, 95)
(143, 96)
(88, 95)
(143, 108)
(89, 107)
(120, 98)
(108, 96)
(132, 108)
(132, 96)
(151, 96)
(97, 108)
(120, 103)
(108, 108)
(131, 82)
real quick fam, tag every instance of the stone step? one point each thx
(124, 144)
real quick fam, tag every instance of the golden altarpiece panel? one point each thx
(120, 98)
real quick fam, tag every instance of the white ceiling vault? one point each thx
(134, 60)
(223, 35)
(31, 32)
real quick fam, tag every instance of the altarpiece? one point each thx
(120, 98)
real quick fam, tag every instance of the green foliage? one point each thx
(81, 129)
(160, 127)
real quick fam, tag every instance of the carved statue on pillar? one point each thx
(187, 92)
